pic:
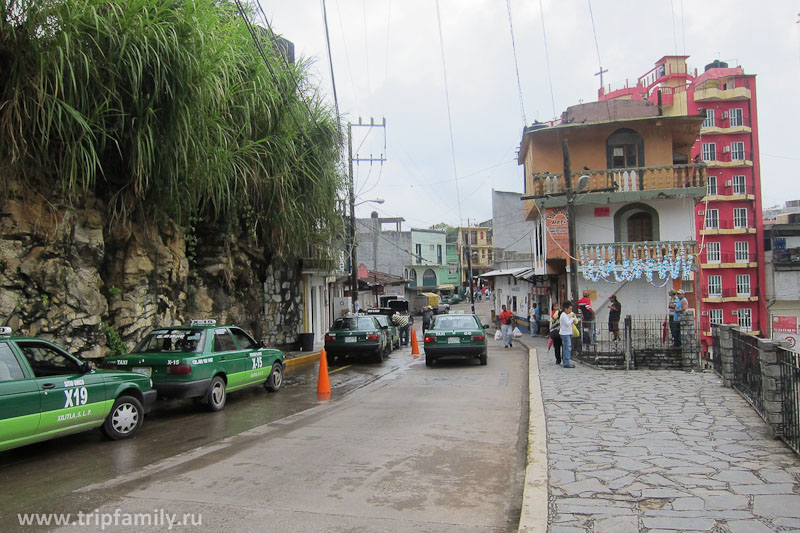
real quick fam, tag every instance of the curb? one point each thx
(300, 359)
(535, 498)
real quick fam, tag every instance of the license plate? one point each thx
(453, 340)
(349, 339)
(145, 371)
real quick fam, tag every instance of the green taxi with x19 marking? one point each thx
(455, 336)
(203, 361)
(46, 392)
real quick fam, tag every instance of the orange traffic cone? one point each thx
(323, 383)
(414, 346)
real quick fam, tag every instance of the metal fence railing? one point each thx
(747, 369)
(790, 387)
(716, 353)
(644, 334)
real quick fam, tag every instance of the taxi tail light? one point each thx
(107, 366)
(330, 338)
(429, 339)
(479, 337)
(372, 337)
(180, 370)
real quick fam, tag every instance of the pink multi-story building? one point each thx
(728, 219)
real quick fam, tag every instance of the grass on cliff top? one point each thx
(165, 109)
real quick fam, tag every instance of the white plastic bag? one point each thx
(516, 333)
(498, 336)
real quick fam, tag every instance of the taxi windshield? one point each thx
(354, 323)
(455, 322)
(172, 340)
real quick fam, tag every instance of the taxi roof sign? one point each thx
(206, 322)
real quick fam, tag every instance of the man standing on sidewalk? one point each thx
(505, 319)
(587, 314)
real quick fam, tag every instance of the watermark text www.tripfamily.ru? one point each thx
(158, 518)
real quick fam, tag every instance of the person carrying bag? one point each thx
(554, 337)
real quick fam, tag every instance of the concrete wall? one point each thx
(393, 247)
(676, 222)
(517, 242)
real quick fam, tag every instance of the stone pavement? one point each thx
(660, 451)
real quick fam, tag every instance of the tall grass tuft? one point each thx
(165, 109)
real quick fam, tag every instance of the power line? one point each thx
(597, 48)
(547, 59)
(674, 31)
(330, 64)
(447, 99)
(516, 64)
(366, 47)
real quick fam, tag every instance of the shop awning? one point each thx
(429, 294)
(506, 272)
(447, 287)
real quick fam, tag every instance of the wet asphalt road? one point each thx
(41, 477)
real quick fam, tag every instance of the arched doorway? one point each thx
(624, 149)
(636, 222)
(640, 227)
(429, 278)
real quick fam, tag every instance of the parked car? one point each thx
(358, 335)
(455, 336)
(384, 316)
(203, 361)
(45, 392)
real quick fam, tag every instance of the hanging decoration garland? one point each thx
(670, 261)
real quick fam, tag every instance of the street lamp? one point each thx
(375, 201)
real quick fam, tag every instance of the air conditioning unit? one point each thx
(701, 212)
(704, 313)
(728, 183)
(735, 312)
(724, 115)
(726, 149)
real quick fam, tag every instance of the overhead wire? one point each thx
(449, 117)
(597, 48)
(516, 63)
(547, 60)
(330, 64)
(347, 54)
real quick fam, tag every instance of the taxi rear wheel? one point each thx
(275, 379)
(216, 394)
(125, 418)
(379, 354)
(428, 360)
(483, 358)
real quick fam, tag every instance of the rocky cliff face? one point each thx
(66, 276)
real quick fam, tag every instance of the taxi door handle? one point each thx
(222, 358)
(49, 386)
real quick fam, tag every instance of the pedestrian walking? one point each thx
(587, 314)
(555, 326)
(614, 312)
(505, 318)
(427, 316)
(566, 320)
(680, 309)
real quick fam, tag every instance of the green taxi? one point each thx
(203, 361)
(386, 322)
(358, 335)
(46, 392)
(455, 336)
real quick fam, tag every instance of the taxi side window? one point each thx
(223, 342)
(47, 361)
(245, 341)
(9, 366)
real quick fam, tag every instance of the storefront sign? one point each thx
(557, 226)
(784, 328)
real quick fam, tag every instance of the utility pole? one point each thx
(469, 269)
(352, 194)
(570, 195)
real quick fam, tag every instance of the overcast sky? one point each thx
(388, 63)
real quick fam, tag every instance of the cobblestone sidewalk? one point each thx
(661, 451)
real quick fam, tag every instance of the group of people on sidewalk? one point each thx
(564, 326)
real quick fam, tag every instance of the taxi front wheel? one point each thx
(125, 418)
(216, 394)
(275, 379)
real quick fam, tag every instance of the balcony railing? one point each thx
(624, 180)
(725, 293)
(743, 157)
(620, 251)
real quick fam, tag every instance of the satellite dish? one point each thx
(583, 182)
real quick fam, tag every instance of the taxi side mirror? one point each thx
(485, 326)
(86, 367)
